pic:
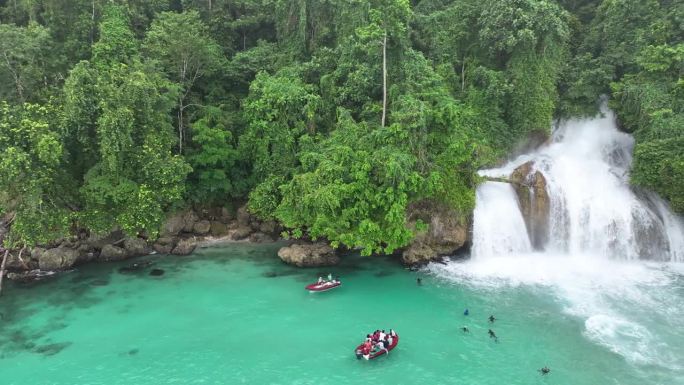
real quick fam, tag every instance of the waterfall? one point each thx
(591, 208)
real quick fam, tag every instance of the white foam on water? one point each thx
(603, 241)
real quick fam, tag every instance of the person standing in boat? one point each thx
(330, 277)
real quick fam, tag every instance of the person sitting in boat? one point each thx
(366, 348)
(389, 339)
(330, 277)
(380, 346)
(392, 333)
(320, 280)
(381, 335)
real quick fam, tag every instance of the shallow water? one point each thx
(235, 314)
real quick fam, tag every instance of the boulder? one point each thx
(162, 249)
(135, 247)
(59, 258)
(446, 233)
(202, 227)
(269, 227)
(112, 253)
(185, 247)
(98, 241)
(173, 225)
(190, 219)
(309, 254)
(226, 215)
(243, 216)
(218, 228)
(533, 197)
(241, 232)
(260, 238)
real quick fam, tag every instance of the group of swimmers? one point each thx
(378, 341)
(544, 371)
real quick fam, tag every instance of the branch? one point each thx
(505, 180)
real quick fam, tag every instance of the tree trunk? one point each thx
(2, 268)
(384, 79)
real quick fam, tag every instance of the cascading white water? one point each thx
(593, 211)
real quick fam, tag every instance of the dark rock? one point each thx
(156, 272)
(190, 218)
(243, 216)
(98, 241)
(309, 254)
(226, 215)
(133, 267)
(447, 232)
(31, 276)
(269, 227)
(202, 227)
(218, 228)
(270, 274)
(57, 259)
(51, 349)
(135, 247)
(241, 232)
(167, 241)
(185, 247)
(260, 238)
(533, 197)
(162, 249)
(173, 225)
(113, 253)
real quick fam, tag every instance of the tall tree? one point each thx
(186, 52)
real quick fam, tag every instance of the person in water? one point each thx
(545, 370)
(419, 281)
(465, 329)
(492, 319)
(466, 312)
(493, 335)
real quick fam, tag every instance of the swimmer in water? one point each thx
(419, 281)
(492, 319)
(493, 335)
(465, 329)
(466, 312)
(545, 370)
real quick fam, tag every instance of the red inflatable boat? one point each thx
(376, 353)
(323, 286)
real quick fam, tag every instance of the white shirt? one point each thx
(382, 336)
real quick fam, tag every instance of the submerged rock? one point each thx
(447, 232)
(156, 272)
(135, 267)
(533, 197)
(309, 254)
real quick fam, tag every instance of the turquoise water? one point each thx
(235, 315)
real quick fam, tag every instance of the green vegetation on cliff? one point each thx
(329, 116)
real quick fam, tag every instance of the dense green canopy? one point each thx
(329, 116)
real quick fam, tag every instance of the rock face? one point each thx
(309, 254)
(184, 247)
(533, 197)
(447, 232)
(59, 258)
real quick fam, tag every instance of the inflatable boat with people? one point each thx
(374, 346)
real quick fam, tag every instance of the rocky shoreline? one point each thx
(185, 230)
